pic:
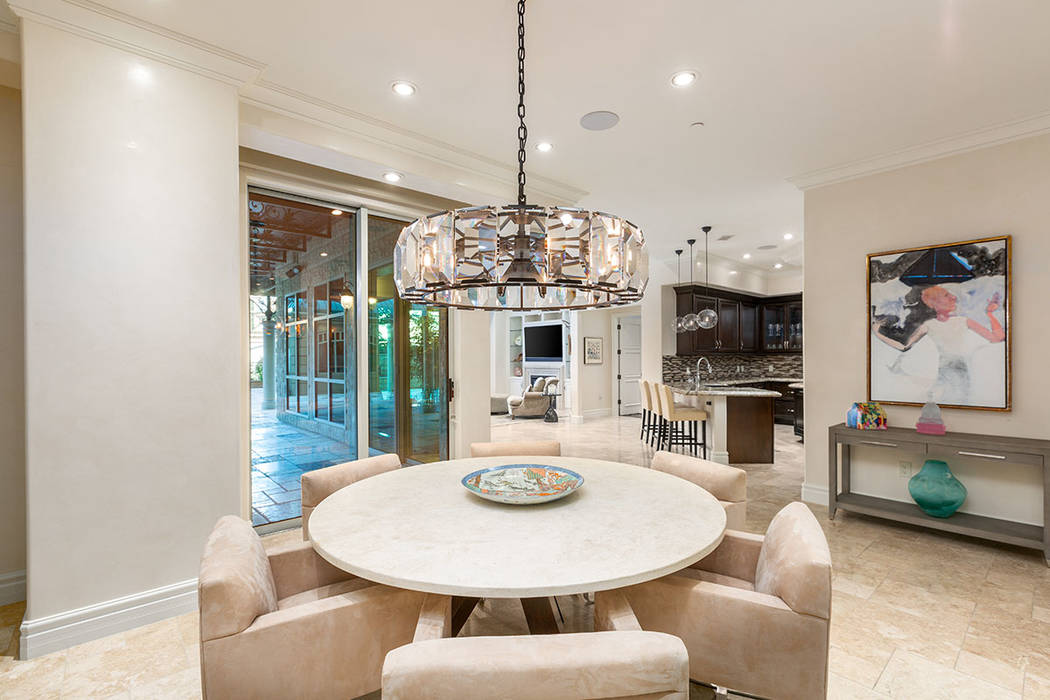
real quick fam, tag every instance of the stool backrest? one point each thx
(647, 400)
(658, 407)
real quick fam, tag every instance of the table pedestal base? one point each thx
(539, 615)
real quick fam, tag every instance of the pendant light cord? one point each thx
(523, 132)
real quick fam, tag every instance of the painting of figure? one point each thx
(940, 325)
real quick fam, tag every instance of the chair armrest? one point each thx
(736, 556)
(333, 647)
(533, 395)
(580, 665)
(297, 568)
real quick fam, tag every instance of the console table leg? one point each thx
(833, 473)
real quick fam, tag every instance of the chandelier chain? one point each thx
(523, 132)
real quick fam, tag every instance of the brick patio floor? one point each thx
(281, 453)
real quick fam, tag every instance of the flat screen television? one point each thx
(543, 343)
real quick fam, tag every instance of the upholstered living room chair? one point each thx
(322, 483)
(534, 401)
(287, 624)
(727, 484)
(637, 665)
(539, 448)
(755, 613)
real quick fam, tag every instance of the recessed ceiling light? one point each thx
(683, 78)
(732, 272)
(600, 120)
(747, 256)
(788, 236)
(544, 147)
(324, 255)
(779, 265)
(391, 176)
(403, 88)
(337, 212)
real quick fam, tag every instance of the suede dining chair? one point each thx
(536, 448)
(322, 483)
(592, 665)
(287, 624)
(727, 484)
(754, 614)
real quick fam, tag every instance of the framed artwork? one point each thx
(939, 325)
(592, 351)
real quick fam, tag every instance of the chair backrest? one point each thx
(658, 407)
(647, 400)
(722, 481)
(795, 562)
(666, 401)
(539, 448)
(322, 483)
(235, 584)
(582, 665)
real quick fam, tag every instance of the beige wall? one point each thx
(134, 356)
(996, 190)
(593, 387)
(12, 369)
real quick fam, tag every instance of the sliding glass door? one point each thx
(407, 361)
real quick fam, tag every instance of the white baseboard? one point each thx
(597, 413)
(47, 634)
(815, 494)
(12, 587)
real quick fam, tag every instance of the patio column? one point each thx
(267, 363)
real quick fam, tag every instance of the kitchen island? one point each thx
(739, 418)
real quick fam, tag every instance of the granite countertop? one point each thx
(797, 385)
(688, 390)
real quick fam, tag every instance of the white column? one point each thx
(469, 357)
(268, 401)
(134, 315)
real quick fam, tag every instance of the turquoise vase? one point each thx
(936, 489)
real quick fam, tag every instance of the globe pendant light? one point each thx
(679, 321)
(690, 322)
(521, 256)
(708, 318)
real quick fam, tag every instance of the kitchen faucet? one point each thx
(709, 370)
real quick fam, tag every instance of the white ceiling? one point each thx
(785, 88)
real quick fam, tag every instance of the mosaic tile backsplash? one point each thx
(736, 366)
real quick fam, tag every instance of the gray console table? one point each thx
(991, 448)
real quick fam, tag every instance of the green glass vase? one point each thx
(936, 490)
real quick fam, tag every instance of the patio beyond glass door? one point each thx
(407, 361)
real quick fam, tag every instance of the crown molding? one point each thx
(932, 150)
(387, 143)
(96, 22)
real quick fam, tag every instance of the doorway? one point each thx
(629, 365)
(407, 361)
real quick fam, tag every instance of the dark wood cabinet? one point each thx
(728, 325)
(745, 323)
(748, 326)
(683, 305)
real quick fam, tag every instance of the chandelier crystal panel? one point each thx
(521, 256)
(515, 258)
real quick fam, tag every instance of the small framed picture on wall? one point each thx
(592, 351)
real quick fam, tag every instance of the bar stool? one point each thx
(680, 423)
(648, 417)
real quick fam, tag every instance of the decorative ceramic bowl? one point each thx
(523, 484)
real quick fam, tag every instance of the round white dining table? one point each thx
(418, 528)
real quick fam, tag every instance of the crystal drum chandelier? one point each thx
(521, 256)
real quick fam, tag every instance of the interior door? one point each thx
(629, 365)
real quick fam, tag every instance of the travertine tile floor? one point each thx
(915, 614)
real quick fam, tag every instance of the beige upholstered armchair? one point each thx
(613, 664)
(727, 484)
(287, 624)
(539, 448)
(535, 400)
(322, 483)
(755, 613)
